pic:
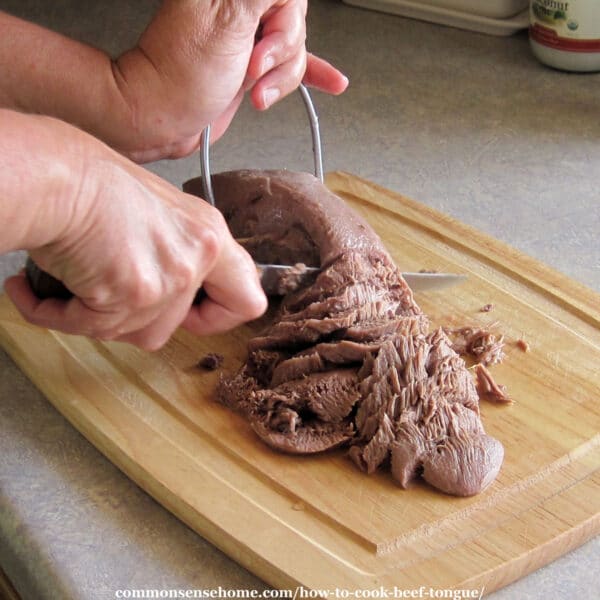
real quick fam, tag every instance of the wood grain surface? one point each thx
(317, 521)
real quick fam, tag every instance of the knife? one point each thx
(271, 276)
(272, 280)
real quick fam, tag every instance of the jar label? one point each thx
(573, 26)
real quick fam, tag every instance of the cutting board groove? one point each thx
(317, 521)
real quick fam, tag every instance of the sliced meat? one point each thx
(316, 437)
(464, 465)
(348, 359)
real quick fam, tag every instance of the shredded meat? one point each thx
(488, 388)
(479, 343)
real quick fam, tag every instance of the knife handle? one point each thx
(200, 295)
(46, 286)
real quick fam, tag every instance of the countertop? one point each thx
(466, 123)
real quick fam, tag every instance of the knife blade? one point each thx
(424, 282)
(273, 278)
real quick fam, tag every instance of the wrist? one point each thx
(67, 179)
(41, 173)
(85, 169)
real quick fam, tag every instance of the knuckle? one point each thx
(211, 237)
(294, 73)
(210, 247)
(299, 35)
(144, 290)
(299, 67)
(152, 343)
(291, 44)
(145, 338)
(32, 316)
(183, 275)
(98, 294)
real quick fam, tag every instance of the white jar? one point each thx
(566, 34)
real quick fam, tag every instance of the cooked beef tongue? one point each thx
(349, 359)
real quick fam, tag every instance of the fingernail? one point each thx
(268, 63)
(270, 96)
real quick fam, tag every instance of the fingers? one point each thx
(149, 331)
(71, 316)
(237, 301)
(324, 76)
(278, 82)
(283, 36)
(234, 294)
(18, 290)
(157, 333)
(279, 61)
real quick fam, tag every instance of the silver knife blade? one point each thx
(423, 282)
(273, 278)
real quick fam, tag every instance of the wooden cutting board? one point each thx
(317, 521)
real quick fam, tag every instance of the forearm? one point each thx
(42, 164)
(47, 73)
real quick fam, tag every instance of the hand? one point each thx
(134, 253)
(279, 60)
(195, 60)
(189, 69)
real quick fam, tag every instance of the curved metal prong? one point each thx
(316, 142)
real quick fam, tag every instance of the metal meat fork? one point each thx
(271, 274)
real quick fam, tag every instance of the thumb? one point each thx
(234, 294)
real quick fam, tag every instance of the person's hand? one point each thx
(189, 69)
(279, 60)
(195, 60)
(134, 252)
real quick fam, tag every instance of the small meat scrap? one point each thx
(487, 308)
(478, 342)
(487, 388)
(523, 345)
(211, 361)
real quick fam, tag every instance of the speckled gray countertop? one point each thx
(469, 124)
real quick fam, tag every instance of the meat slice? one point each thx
(348, 359)
(305, 440)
